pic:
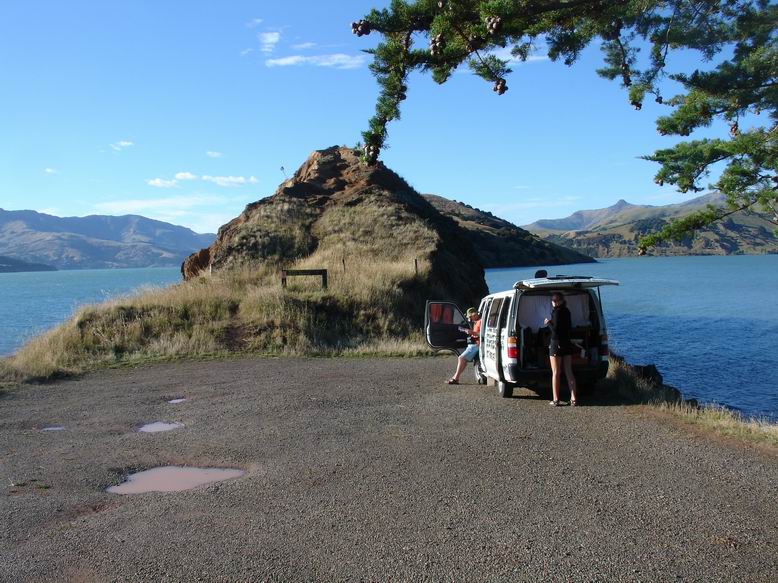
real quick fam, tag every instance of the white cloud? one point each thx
(505, 55)
(161, 183)
(268, 41)
(245, 52)
(230, 180)
(303, 46)
(212, 154)
(186, 176)
(121, 145)
(254, 22)
(171, 206)
(336, 61)
(50, 171)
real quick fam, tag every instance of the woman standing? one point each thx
(560, 350)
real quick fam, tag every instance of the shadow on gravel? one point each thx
(625, 385)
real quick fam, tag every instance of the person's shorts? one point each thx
(470, 352)
(559, 351)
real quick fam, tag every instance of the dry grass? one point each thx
(243, 310)
(626, 385)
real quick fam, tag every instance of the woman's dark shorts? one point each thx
(559, 351)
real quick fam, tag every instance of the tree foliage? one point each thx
(737, 38)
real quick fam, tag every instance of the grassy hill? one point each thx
(615, 231)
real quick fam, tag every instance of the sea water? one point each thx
(710, 324)
(32, 302)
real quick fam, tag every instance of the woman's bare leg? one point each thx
(568, 365)
(556, 375)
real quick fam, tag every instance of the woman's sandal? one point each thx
(573, 403)
(554, 403)
(452, 381)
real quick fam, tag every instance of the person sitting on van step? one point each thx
(473, 340)
(560, 349)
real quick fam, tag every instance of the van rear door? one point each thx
(443, 325)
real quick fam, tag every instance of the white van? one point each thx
(514, 338)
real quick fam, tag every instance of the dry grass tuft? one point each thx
(624, 383)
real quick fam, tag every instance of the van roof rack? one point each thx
(563, 282)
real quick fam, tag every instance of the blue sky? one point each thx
(186, 112)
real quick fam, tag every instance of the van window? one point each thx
(493, 313)
(444, 313)
(504, 314)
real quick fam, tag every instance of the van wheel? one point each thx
(505, 389)
(480, 377)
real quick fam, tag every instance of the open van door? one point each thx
(442, 323)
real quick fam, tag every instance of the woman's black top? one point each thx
(561, 323)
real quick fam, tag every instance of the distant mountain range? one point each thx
(96, 241)
(499, 243)
(615, 231)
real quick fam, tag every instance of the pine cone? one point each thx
(493, 24)
(636, 104)
(734, 130)
(361, 28)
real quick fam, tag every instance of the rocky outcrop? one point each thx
(335, 206)
(196, 263)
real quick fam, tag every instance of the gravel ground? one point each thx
(369, 470)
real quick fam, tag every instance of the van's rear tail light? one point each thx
(513, 349)
(604, 346)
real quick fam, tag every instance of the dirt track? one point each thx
(369, 470)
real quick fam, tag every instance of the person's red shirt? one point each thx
(476, 333)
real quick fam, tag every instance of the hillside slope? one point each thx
(11, 265)
(615, 231)
(500, 243)
(96, 241)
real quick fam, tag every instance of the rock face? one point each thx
(337, 212)
(196, 263)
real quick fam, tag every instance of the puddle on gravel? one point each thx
(54, 428)
(176, 401)
(172, 479)
(158, 426)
